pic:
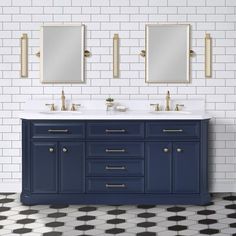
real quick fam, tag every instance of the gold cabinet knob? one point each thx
(51, 149)
(64, 149)
(165, 150)
(179, 150)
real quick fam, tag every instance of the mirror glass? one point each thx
(62, 54)
(167, 53)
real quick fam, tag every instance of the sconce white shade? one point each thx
(116, 56)
(24, 55)
(208, 55)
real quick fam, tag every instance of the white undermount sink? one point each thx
(60, 112)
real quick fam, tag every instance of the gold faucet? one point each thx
(63, 98)
(168, 101)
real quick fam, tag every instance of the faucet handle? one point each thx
(74, 106)
(177, 106)
(52, 106)
(156, 106)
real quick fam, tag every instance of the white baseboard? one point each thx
(10, 187)
(216, 187)
(223, 187)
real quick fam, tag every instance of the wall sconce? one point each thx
(116, 56)
(24, 55)
(208, 56)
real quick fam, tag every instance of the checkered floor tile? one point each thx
(217, 218)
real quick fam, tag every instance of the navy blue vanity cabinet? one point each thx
(57, 167)
(115, 162)
(53, 159)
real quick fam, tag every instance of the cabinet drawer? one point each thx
(57, 129)
(115, 149)
(115, 185)
(115, 130)
(115, 167)
(176, 129)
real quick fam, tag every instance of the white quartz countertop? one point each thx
(112, 115)
(96, 110)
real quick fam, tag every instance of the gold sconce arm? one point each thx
(87, 53)
(24, 55)
(192, 53)
(142, 53)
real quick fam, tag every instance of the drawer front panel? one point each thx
(57, 129)
(170, 129)
(115, 167)
(115, 130)
(115, 185)
(115, 149)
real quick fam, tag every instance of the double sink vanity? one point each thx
(95, 156)
(97, 152)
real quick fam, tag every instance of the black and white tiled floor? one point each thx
(217, 218)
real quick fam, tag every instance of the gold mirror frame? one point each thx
(189, 53)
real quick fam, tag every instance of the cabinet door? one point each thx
(186, 167)
(71, 167)
(44, 167)
(158, 167)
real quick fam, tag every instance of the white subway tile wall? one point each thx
(103, 18)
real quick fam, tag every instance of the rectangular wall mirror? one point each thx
(62, 54)
(167, 53)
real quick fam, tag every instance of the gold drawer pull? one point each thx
(115, 167)
(115, 130)
(115, 185)
(172, 130)
(58, 130)
(115, 150)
